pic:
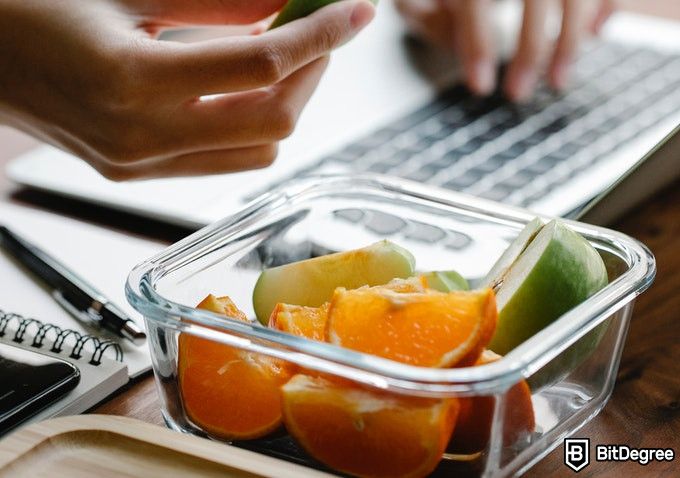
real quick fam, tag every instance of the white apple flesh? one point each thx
(312, 282)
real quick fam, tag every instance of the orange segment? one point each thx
(229, 393)
(412, 284)
(432, 329)
(473, 428)
(367, 433)
(222, 305)
(309, 322)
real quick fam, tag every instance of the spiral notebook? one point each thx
(102, 370)
(103, 258)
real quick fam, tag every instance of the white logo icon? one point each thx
(577, 453)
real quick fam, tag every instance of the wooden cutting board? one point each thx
(106, 446)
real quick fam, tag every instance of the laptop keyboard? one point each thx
(517, 154)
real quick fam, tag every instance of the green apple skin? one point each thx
(445, 281)
(295, 9)
(312, 282)
(537, 290)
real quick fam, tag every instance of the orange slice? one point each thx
(432, 329)
(364, 432)
(308, 322)
(473, 428)
(412, 284)
(229, 393)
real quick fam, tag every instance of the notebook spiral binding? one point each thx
(46, 334)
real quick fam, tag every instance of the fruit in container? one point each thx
(365, 432)
(445, 281)
(312, 282)
(473, 427)
(230, 393)
(430, 329)
(310, 322)
(300, 320)
(549, 270)
(558, 270)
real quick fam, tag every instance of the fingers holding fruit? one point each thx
(134, 107)
(224, 134)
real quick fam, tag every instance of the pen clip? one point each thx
(88, 316)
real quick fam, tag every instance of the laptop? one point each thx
(389, 105)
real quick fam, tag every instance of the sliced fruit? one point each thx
(295, 9)
(312, 282)
(445, 281)
(412, 284)
(308, 322)
(365, 432)
(222, 305)
(558, 270)
(432, 329)
(512, 253)
(473, 427)
(229, 393)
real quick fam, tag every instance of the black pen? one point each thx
(82, 300)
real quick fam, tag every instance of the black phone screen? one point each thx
(30, 381)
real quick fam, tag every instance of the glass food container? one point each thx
(443, 230)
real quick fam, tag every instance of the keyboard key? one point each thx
(421, 174)
(350, 215)
(497, 193)
(470, 147)
(420, 145)
(422, 232)
(462, 181)
(385, 224)
(457, 240)
(517, 180)
(380, 167)
(544, 164)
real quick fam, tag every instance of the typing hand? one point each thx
(90, 77)
(465, 26)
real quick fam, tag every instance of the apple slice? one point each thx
(445, 281)
(312, 282)
(557, 270)
(295, 9)
(512, 253)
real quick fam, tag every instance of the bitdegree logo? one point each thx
(577, 453)
(625, 453)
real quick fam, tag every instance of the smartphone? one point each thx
(29, 382)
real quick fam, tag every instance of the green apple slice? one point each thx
(558, 270)
(445, 281)
(312, 282)
(512, 253)
(295, 9)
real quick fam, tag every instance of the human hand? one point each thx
(90, 77)
(465, 26)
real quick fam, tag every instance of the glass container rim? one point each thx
(519, 363)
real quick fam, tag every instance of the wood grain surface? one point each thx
(83, 446)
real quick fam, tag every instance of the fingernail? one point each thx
(560, 75)
(482, 79)
(523, 84)
(362, 14)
